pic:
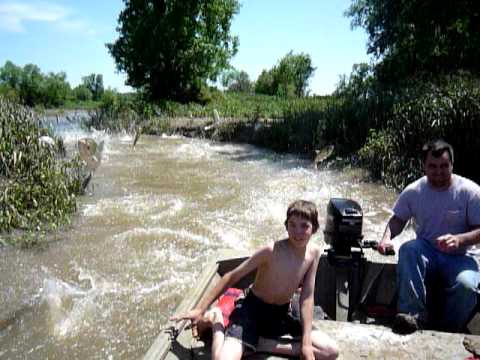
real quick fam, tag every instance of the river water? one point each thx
(154, 215)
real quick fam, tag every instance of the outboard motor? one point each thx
(343, 232)
(343, 228)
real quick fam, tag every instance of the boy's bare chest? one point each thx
(286, 272)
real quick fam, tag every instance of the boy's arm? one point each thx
(306, 306)
(227, 280)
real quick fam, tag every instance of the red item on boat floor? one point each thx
(472, 358)
(226, 303)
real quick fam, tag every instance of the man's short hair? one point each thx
(437, 147)
(304, 209)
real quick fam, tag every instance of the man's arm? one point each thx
(306, 307)
(227, 281)
(394, 227)
(451, 243)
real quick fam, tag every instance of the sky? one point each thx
(70, 36)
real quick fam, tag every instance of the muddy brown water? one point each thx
(104, 286)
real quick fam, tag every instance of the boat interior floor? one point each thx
(357, 341)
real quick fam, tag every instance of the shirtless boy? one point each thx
(263, 315)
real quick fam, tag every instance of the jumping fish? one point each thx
(322, 155)
(90, 152)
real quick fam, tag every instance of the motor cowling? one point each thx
(343, 227)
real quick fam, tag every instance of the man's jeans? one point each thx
(419, 261)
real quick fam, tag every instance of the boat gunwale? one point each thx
(162, 344)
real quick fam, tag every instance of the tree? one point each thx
(293, 73)
(234, 80)
(31, 83)
(358, 85)
(420, 37)
(11, 75)
(82, 93)
(288, 78)
(170, 48)
(94, 83)
(55, 89)
(265, 83)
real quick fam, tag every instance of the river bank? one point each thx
(259, 132)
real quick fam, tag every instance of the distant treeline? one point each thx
(31, 87)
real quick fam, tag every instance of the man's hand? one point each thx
(307, 353)
(385, 247)
(394, 227)
(449, 243)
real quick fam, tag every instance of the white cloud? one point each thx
(76, 26)
(14, 15)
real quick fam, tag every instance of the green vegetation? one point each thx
(91, 87)
(236, 81)
(38, 187)
(29, 86)
(230, 105)
(116, 112)
(425, 85)
(289, 78)
(419, 38)
(284, 125)
(448, 108)
(170, 48)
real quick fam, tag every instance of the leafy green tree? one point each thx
(265, 83)
(31, 84)
(11, 75)
(359, 85)
(55, 89)
(170, 48)
(32, 87)
(82, 93)
(288, 78)
(235, 80)
(420, 37)
(94, 83)
(292, 74)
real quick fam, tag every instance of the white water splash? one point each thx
(159, 231)
(174, 206)
(136, 205)
(72, 306)
(67, 306)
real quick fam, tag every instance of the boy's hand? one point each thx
(307, 353)
(193, 315)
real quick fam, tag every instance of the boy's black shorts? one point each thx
(252, 318)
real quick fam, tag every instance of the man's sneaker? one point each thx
(405, 324)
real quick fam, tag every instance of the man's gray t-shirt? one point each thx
(436, 213)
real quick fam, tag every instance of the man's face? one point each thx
(438, 170)
(299, 230)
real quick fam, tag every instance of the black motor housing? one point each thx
(343, 228)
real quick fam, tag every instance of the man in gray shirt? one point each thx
(446, 211)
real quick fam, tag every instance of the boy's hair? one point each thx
(437, 147)
(306, 210)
